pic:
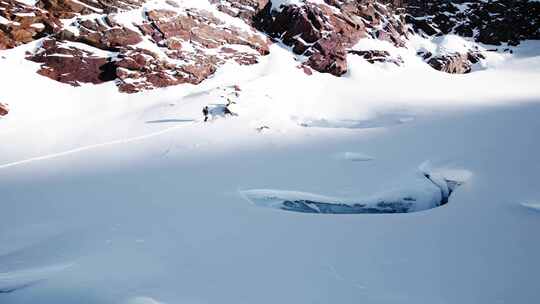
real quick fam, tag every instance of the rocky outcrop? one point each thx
(103, 33)
(20, 24)
(373, 56)
(322, 33)
(490, 22)
(4, 110)
(65, 62)
(70, 8)
(456, 63)
(198, 39)
(141, 46)
(165, 48)
(243, 9)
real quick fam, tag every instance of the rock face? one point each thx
(20, 23)
(144, 45)
(456, 63)
(322, 32)
(374, 56)
(162, 48)
(70, 8)
(490, 22)
(64, 62)
(103, 33)
(197, 38)
(243, 9)
(4, 110)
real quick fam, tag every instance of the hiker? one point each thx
(205, 112)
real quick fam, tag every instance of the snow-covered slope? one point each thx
(114, 198)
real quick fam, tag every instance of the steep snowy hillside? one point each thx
(354, 151)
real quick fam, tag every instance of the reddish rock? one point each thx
(142, 70)
(70, 65)
(244, 9)
(307, 70)
(329, 56)
(66, 9)
(24, 24)
(192, 47)
(4, 110)
(199, 27)
(456, 63)
(324, 32)
(110, 36)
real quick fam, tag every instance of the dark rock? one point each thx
(490, 22)
(373, 56)
(109, 37)
(68, 64)
(4, 110)
(66, 9)
(24, 24)
(137, 69)
(456, 63)
(324, 32)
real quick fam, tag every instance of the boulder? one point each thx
(457, 63)
(373, 56)
(68, 64)
(4, 110)
(104, 34)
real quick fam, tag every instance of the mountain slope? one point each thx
(143, 45)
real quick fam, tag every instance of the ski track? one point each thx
(90, 147)
(16, 280)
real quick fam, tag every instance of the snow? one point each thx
(277, 5)
(416, 192)
(13, 281)
(28, 2)
(142, 300)
(354, 156)
(146, 201)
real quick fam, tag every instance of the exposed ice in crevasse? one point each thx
(531, 206)
(427, 190)
(16, 280)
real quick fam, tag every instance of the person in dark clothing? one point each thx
(205, 113)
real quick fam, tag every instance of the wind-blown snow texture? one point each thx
(111, 198)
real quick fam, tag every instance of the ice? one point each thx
(418, 197)
(531, 206)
